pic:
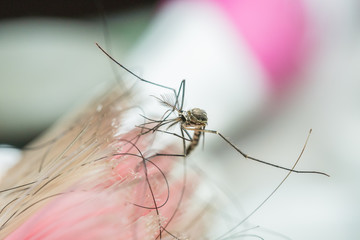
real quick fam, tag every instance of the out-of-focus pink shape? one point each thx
(274, 31)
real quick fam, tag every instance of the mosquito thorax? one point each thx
(195, 117)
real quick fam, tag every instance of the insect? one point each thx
(191, 120)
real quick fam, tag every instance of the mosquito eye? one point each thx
(202, 117)
(199, 114)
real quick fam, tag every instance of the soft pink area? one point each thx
(274, 31)
(77, 215)
(105, 208)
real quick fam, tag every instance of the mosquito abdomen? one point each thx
(194, 142)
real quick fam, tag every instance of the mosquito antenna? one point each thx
(223, 236)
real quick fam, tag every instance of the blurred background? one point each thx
(265, 71)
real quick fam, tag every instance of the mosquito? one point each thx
(194, 120)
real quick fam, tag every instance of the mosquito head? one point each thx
(196, 117)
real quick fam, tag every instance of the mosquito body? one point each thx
(193, 120)
(197, 120)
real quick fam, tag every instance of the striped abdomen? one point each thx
(194, 142)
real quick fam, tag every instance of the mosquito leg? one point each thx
(167, 185)
(148, 183)
(252, 158)
(167, 132)
(153, 129)
(182, 87)
(126, 69)
(165, 155)
(224, 236)
(154, 121)
(156, 207)
(184, 180)
(188, 134)
(270, 164)
(203, 140)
